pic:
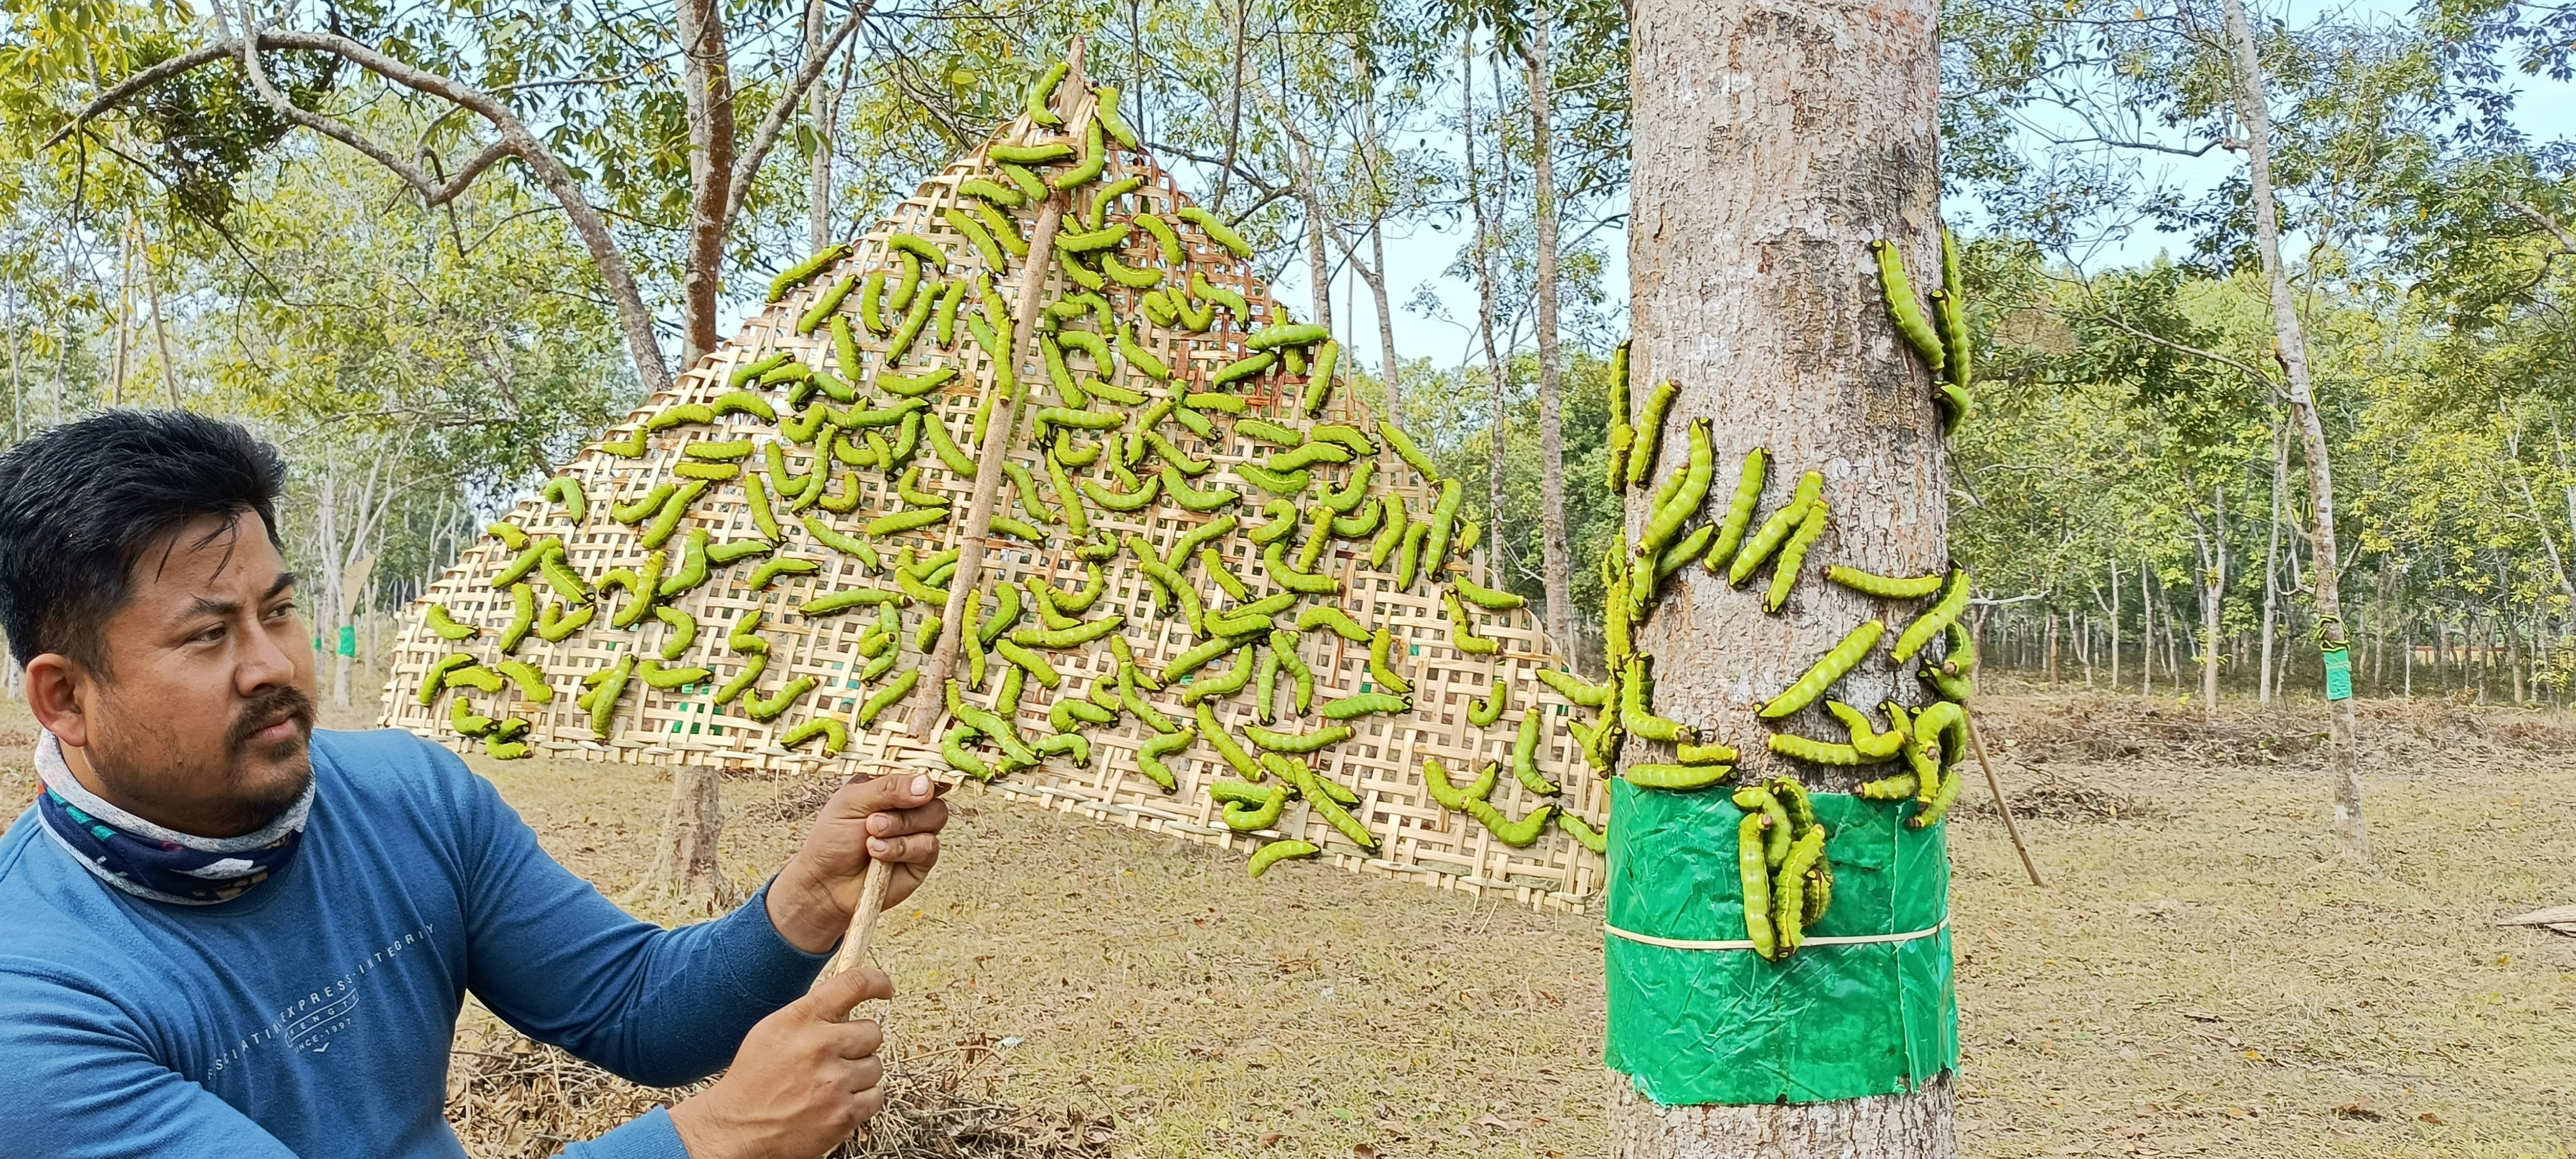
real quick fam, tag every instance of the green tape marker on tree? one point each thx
(2338, 673)
(1833, 1021)
(348, 639)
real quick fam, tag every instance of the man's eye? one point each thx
(212, 634)
(282, 611)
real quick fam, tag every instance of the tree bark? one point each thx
(2272, 560)
(2290, 347)
(707, 87)
(1773, 141)
(686, 863)
(1555, 556)
(1483, 253)
(824, 113)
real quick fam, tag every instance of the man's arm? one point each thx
(76, 1082)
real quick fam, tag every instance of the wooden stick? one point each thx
(2001, 804)
(924, 716)
(863, 920)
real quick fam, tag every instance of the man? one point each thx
(225, 934)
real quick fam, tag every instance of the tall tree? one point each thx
(2290, 349)
(1554, 556)
(1774, 141)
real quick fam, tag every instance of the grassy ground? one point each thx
(2199, 976)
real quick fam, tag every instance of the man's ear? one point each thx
(57, 692)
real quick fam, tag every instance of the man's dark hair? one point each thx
(82, 502)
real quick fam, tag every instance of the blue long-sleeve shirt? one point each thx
(312, 1016)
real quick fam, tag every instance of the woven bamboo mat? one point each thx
(1381, 765)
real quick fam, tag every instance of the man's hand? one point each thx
(892, 819)
(803, 1081)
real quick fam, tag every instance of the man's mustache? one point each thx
(284, 701)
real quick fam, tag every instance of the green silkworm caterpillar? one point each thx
(1142, 359)
(1650, 432)
(1200, 655)
(1025, 482)
(1164, 237)
(798, 274)
(913, 321)
(1095, 159)
(1112, 392)
(1525, 756)
(603, 699)
(732, 450)
(1640, 720)
(1098, 213)
(872, 303)
(1831, 668)
(1869, 743)
(436, 679)
(1193, 499)
(1483, 711)
(1005, 232)
(1271, 480)
(663, 679)
(563, 579)
(1667, 520)
(1392, 522)
(709, 472)
(1197, 537)
(1584, 834)
(462, 718)
(1217, 295)
(1381, 663)
(1789, 905)
(1513, 833)
(1006, 613)
(1319, 381)
(849, 598)
(724, 553)
(668, 521)
(752, 370)
(1681, 554)
(944, 445)
(684, 631)
(1031, 189)
(836, 736)
(1408, 553)
(1324, 797)
(1005, 525)
(824, 534)
(1283, 646)
(826, 304)
(555, 624)
(1106, 109)
(1215, 687)
(976, 234)
(1357, 526)
(637, 511)
(1283, 520)
(1248, 807)
(1217, 232)
(1041, 98)
(745, 636)
(1077, 522)
(1158, 308)
(1574, 689)
(1795, 803)
(1821, 752)
(1444, 522)
(890, 695)
(1278, 851)
(1226, 403)
(1280, 742)
(1223, 575)
(629, 447)
(1082, 275)
(1173, 456)
(769, 571)
(1106, 237)
(527, 561)
(1776, 836)
(504, 750)
(1243, 368)
(1149, 755)
(1269, 432)
(1070, 713)
(1710, 753)
(1462, 634)
(915, 588)
(945, 327)
(1274, 562)
(644, 588)
(1446, 791)
(1793, 555)
(737, 402)
(1287, 334)
(1487, 598)
(1930, 623)
(1036, 665)
(990, 724)
(1885, 587)
(1952, 302)
(906, 521)
(930, 252)
(1080, 601)
(845, 345)
(446, 626)
(802, 429)
(1031, 154)
(1775, 530)
(1365, 703)
(773, 707)
(1129, 276)
(992, 191)
(566, 490)
(1087, 420)
(1319, 537)
(1902, 306)
(1939, 806)
(1676, 778)
(1123, 501)
(847, 499)
(1328, 616)
(908, 489)
(1311, 454)
(952, 748)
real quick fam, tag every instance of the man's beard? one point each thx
(246, 801)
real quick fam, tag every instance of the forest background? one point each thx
(547, 201)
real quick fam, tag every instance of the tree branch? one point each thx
(2566, 240)
(774, 123)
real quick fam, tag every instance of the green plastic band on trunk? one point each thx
(1834, 1021)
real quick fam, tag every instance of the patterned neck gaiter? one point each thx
(149, 861)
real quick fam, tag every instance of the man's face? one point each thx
(203, 719)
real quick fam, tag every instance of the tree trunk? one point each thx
(1374, 273)
(2272, 560)
(1773, 141)
(1485, 245)
(686, 863)
(160, 327)
(825, 113)
(707, 86)
(2113, 623)
(1555, 556)
(2290, 347)
(2146, 633)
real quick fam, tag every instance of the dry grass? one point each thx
(2198, 978)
